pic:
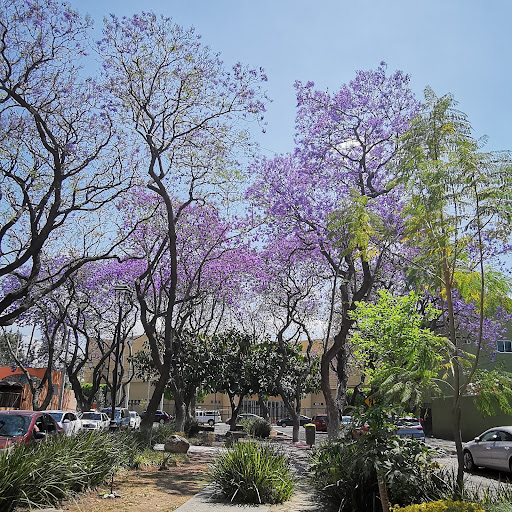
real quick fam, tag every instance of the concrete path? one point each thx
(204, 502)
(302, 500)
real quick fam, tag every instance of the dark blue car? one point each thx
(160, 417)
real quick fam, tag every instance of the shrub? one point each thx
(441, 506)
(344, 472)
(154, 436)
(253, 472)
(191, 427)
(257, 427)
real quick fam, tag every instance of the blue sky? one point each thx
(456, 46)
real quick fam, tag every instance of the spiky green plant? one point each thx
(253, 472)
(44, 473)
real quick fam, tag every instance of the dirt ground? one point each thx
(148, 488)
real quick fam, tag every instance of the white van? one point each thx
(210, 417)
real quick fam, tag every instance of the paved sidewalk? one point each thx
(303, 498)
(204, 502)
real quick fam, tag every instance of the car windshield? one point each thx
(12, 425)
(91, 416)
(108, 412)
(57, 416)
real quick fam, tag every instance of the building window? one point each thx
(504, 346)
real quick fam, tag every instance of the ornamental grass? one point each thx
(45, 473)
(253, 472)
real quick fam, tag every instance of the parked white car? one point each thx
(67, 421)
(135, 420)
(210, 417)
(95, 420)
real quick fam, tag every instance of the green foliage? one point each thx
(492, 391)
(154, 436)
(497, 290)
(493, 499)
(400, 356)
(43, 474)
(257, 427)
(87, 389)
(253, 472)
(355, 226)
(441, 506)
(150, 457)
(344, 470)
(499, 507)
(191, 427)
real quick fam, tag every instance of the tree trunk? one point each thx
(343, 375)
(147, 422)
(296, 422)
(180, 414)
(263, 407)
(456, 415)
(456, 376)
(235, 409)
(383, 493)
(330, 404)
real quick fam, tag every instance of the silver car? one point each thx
(492, 449)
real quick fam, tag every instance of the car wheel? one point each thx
(211, 423)
(469, 465)
(162, 421)
(283, 423)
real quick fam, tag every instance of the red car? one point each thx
(320, 421)
(26, 427)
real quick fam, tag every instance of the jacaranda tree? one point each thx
(184, 111)
(61, 161)
(289, 292)
(336, 194)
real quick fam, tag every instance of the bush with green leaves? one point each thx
(46, 472)
(344, 472)
(257, 427)
(441, 506)
(159, 435)
(191, 427)
(251, 471)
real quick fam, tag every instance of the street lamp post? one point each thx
(120, 291)
(64, 371)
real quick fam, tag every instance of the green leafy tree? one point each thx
(298, 374)
(400, 356)
(193, 368)
(458, 219)
(245, 367)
